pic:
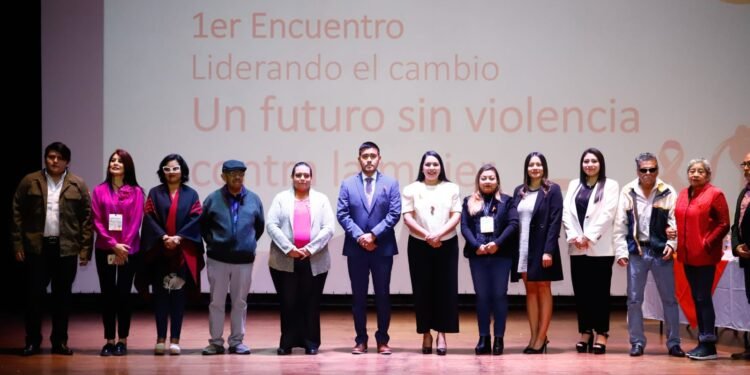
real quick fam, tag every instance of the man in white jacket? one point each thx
(645, 211)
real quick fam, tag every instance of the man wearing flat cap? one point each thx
(231, 224)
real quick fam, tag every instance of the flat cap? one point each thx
(233, 165)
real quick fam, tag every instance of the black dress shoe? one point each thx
(31, 349)
(62, 349)
(498, 346)
(483, 346)
(120, 349)
(637, 350)
(311, 351)
(107, 350)
(676, 351)
(283, 351)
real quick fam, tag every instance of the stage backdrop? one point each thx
(275, 82)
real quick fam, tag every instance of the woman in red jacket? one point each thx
(702, 222)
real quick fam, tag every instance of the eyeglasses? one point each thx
(648, 170)
(170, 169)
(745, 164)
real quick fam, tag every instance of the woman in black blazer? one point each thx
(489, 224)
(539, 204)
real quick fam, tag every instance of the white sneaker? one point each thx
(159, 348)
(174, 349)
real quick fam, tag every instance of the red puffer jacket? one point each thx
(702, 223)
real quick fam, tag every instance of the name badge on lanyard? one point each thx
(115, 222)
(486, 224)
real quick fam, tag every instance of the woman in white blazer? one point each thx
(588, 217)
(300, 222)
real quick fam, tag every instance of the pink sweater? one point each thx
(128, 202)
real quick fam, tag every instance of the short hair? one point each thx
(645, 156)
(366, 145)
(704, 161)
(60, 148)
(184, 170)
(441, 176)
(301, 163)
(127, 161)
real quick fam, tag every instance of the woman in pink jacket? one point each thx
(117, 206)
(702, 222)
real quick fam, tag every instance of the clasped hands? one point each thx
(487, 249)
(367, 241)
(300, 254)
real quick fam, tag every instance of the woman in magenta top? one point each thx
(117, 206)
(300, 222)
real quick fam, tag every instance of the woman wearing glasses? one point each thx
(171, 241)
(117, 207)
(588, 216)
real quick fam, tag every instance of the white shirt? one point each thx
(432, 205)
(644, 206)
(52, 218)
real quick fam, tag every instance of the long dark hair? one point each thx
(184, 170)
(545, 174)
(441, 176)
(602, 178)
(127, 161)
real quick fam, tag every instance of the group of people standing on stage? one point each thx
(158, 240)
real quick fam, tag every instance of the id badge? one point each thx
(486, 224)
(111, 259)
(115, 222)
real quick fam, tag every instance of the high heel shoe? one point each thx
(585, 346)
(438, 349)
(599, 348)
(483, 346)
(427, 344)
(498, 346)
(542, 350)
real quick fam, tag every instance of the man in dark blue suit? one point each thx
(368, 208)
(741, 240)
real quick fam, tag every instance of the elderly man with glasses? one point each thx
(645, 211)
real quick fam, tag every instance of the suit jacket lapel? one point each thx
(538, 203)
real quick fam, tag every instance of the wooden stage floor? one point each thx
(335, 358)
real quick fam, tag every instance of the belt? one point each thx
(51, 240)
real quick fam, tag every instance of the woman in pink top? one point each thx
(300, 223)
(117, 205)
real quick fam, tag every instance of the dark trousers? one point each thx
(41, 269)
(115, 283)
(747, 282)
(701, 281)
(592, 278)
(169, 305)
(360, 267)
(434, 283)
(490, 275)
(299, 294)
